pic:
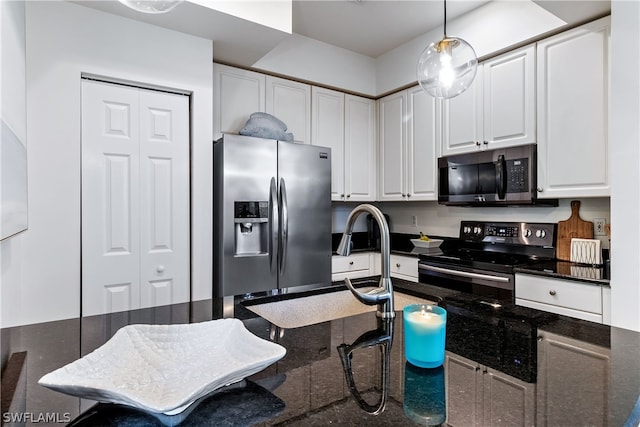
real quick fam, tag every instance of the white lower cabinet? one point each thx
(352, 266)
(481, 396)
(581, 300)
(568, 367)
(401, 267)
(404, 267)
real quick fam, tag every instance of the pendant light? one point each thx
(447, 68)
(151, 6)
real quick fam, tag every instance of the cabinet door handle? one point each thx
(341, 196)
(348, 195)
(552, 292)
(398, 265)
(539, 189)
(478, 143)
(403, 195)
(408, 194)
(350, 262)
(485, 142)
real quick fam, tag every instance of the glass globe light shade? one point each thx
(447, 68)
(151, 6)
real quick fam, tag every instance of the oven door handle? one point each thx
(464, 273)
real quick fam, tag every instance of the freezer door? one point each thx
(246, 215)
(305, 215)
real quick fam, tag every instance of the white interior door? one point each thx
(135, 198)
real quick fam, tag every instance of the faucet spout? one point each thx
(383, 294)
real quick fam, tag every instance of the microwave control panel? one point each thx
(517, 175)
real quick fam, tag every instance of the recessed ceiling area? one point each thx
(373, 27)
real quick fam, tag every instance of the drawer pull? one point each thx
(398, 265)
(552, 292)
(350, 262)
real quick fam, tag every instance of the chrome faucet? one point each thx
(383, 294)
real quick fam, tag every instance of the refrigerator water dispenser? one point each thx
(251, 222)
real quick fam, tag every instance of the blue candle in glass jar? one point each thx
(424, 334)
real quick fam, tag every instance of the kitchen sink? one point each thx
(309, 310)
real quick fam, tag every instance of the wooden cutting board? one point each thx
(570, 228)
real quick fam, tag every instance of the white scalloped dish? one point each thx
(165, 368)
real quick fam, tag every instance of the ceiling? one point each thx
(373, 27)
(368, 27)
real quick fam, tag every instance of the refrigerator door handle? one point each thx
(274, 225)
(284, 226)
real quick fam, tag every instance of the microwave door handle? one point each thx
(501, 176)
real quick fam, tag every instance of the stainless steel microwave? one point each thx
(496, 177)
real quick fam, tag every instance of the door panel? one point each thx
(110, 198)
(164, 231)
(135, 198)
(307, 247)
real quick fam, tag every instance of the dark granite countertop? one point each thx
(308, 387)
(401, 245)
(568, 270)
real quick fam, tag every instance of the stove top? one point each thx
(498, 246)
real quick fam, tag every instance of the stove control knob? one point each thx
(466, 229)
(541, 233)
(527, 233)
(477, 230)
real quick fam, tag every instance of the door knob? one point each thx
(160, 269)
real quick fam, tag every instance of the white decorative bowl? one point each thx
(165, 368)
(433, 243)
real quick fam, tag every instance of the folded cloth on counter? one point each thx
(264, 125)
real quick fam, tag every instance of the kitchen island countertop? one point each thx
(308, 387)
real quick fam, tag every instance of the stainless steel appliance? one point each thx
(272, 216)
(483, 259)
(490, 178)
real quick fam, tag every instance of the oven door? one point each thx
(490, 284)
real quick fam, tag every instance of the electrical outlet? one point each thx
(414, 221)
(598, 226)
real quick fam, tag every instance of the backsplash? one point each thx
(439, 220)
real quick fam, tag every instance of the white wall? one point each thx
(625, 157)
(314, 61)
(64, 40)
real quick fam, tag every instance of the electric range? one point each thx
(482, 260)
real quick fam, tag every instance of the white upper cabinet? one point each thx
(573, 110)
(327, 113)
(359, 148)
(346, 124)
(391, 120)
(237, 94)
(498, 109)
(290, 102)
(463, 120)
(422, 148)
(409, 129)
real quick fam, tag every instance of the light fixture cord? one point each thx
(445, 19)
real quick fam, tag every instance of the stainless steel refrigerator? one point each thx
(272, 216)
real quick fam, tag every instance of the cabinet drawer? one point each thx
(404, 266)
(562, 293)
(345, 264)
